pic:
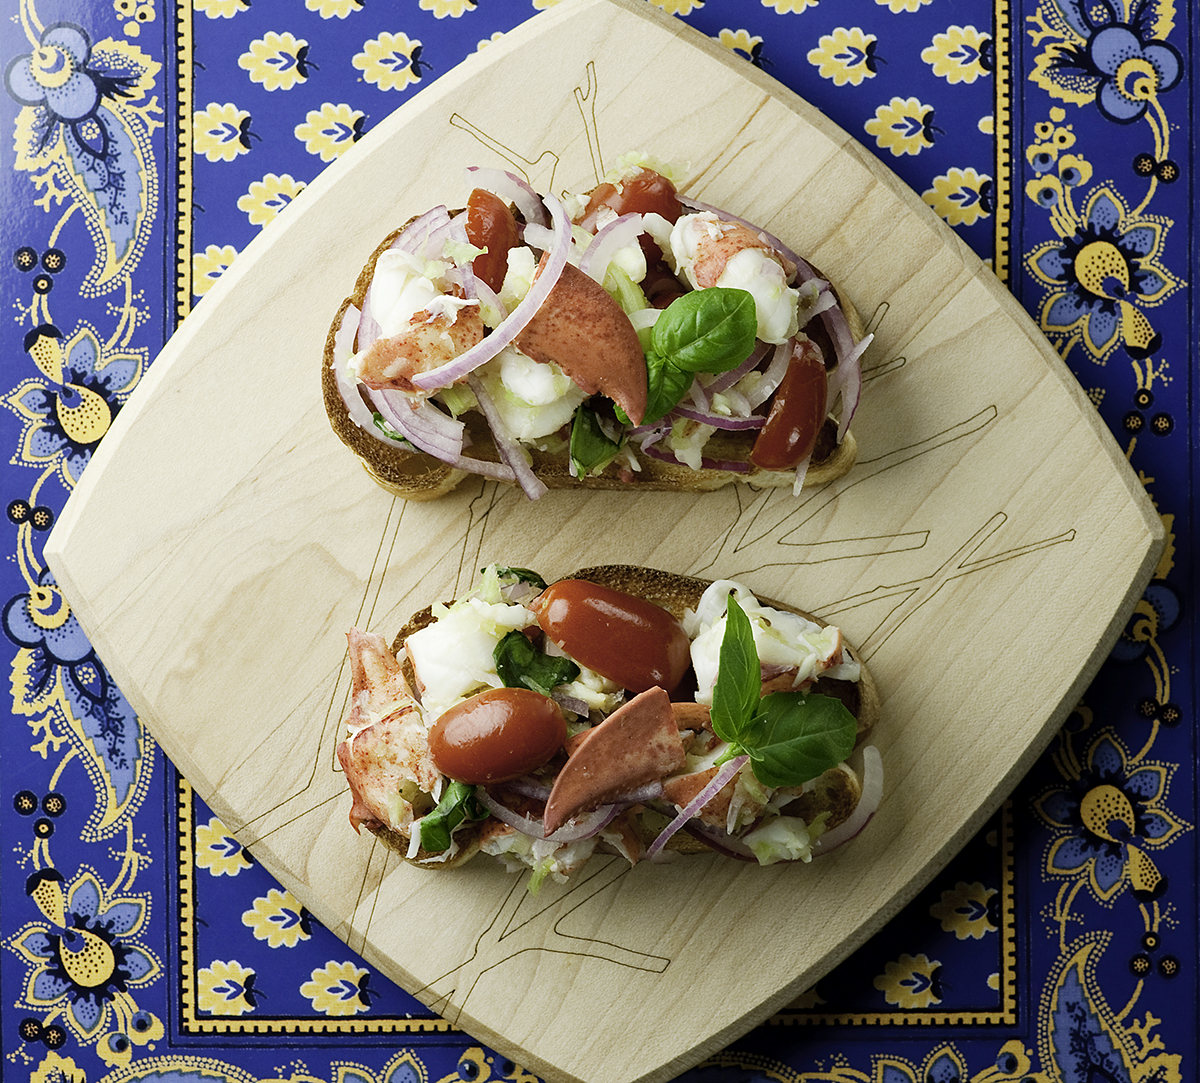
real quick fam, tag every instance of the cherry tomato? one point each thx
(797, 413)
(496, 735)
(490, 225)
(622, 637)
(642, 193)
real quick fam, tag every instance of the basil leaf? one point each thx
(522, 575)
(521, 665)
(736, 701)
(591, 448)
(458, 803)
(665, 386)
(800, 737)
(710, 330)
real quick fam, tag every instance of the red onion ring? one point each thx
(590, 825)
(510, 450)
(720, 421)
(615, 235)
(693, 807)
(511, 187)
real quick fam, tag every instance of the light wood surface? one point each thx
(982, 553)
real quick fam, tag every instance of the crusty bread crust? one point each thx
(413, 475)
(836, 792)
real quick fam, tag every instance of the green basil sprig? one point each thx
(521, 665)
(790, 737)
(521, 575)
(710, 330)
(591, 447)
(458, 803)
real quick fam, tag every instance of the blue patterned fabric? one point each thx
(145, 145)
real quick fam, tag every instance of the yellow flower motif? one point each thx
(58, 1069)
(961, 196)
(902, 126)
(278, 61)
(963, 911)
(216, 849)
(543, 5)
(333, 9)
(279, 919)
(221, 132)
(225, 988)
(338, 989)
(678, 7)
(267, 197)
(484, 42)
(390, 61)
(451, 8)
(330, 130)
(957, 55)
(741, 41)
(221, 9)
(790, 7)
(911, 982)
(897, 6)
(845, 56)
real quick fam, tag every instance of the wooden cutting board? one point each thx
(983, 552)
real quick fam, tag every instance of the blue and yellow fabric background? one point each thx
(144, 144)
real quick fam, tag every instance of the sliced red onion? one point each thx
(781, 357)
(585, 828)
(720, 421)
(726, 380)
(720, 840)
(617, 234)
(510, 449)
(423, 231)
(511, 187)
(801, 474)
(570, 703)
(693, 807)
(730, 466)
(529, 787)
(868, 804)
(422, 423)
(488, 297)
(515, 322)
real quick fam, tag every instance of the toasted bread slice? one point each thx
(836, 792)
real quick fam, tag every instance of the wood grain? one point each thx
(983, 553)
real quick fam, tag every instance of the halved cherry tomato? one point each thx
(627, 639)
(641, 193)
(496, 735)
(797, 412)
(490, 225)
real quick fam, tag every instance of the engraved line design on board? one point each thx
(510, 934)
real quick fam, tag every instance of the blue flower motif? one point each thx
(1122, 66)
(1108, 818)
(1131, 71)
(60, 657)
(87, 956)
(70, 406)
(56, 79)
(1101, 276)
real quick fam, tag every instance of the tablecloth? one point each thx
(145, 144)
